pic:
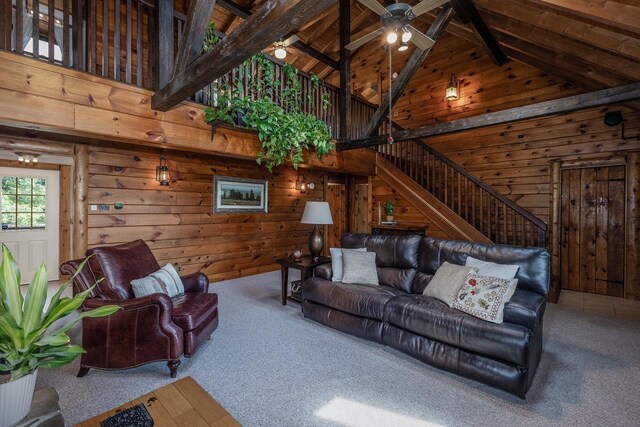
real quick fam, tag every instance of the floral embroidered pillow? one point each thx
(484, 296)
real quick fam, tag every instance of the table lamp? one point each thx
(316, 213)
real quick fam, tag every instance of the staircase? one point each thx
(442, 189)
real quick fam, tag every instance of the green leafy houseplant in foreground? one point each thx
(285, 131)
(25, 342)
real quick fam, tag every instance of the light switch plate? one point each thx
(94, 208)
(105, 208)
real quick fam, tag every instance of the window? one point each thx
(22, 203)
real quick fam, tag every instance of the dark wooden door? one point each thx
(336, 197)
(592, 224)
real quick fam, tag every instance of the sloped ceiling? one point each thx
(556, 47)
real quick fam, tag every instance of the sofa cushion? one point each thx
(362, 300)
(534, 263)
(435, 320)
(447, 282)
(337, 262)
(192, 309)
(396, 256)
(165, 281)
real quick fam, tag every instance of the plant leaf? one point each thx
(10, 285)
(35, 300)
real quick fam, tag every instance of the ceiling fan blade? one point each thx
(375, 6)
(426, 5)
(362, 40)
(423, 42)
(291, 40)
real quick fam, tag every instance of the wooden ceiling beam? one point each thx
(270, 22)
(563, 25)
(243, 13)
(614, 14)
(600, 98)
(467, 12)
(198, 18)
(412, 65)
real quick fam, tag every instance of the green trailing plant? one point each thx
(211, 38)
(26, 344)
(389, 207)
(285, 130)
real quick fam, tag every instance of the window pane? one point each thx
(24, 185)
(24, 220)
(8, 220)
(39, 220)
(38, 203)
(24, 203)
(8, 185)
(8, 203)
(39, 186)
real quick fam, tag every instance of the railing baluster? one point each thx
(20, 8)
(36, 29)
(51, 35)
(128, 43)
(66, 51)
(105, 38)
(139, 53)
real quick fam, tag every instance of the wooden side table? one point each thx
(305, 265)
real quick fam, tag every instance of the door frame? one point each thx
(631, 161)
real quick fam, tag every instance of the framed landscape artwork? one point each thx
(233, 195)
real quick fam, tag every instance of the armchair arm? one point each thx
(161, 301)
(143, 331)
(197, 282)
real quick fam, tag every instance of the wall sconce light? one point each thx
(451, 92)
(27, 158)
(301, 186)
(162, 172)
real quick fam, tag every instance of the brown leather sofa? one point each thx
(147, 329)
(396, 314)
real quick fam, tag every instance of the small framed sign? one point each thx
(240, 195)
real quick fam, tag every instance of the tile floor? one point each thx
(600, 304)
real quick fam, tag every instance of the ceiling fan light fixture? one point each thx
(406, 35)
(403, 46)
(281, 50)
(392, 36)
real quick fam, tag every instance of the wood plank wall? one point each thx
(177, 221)
(405, 213)
(516, 159)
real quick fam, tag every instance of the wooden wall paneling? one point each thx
(632, 264)
(359, 196)
(66, 187)
(555, 231)
(336, 196)
(177, 221)
(587, 229)
(80, 197)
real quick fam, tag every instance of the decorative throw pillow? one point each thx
(447, 281)
(486, 268)
(359, 267)
(484, 297)
(165, 281)
(336, 262)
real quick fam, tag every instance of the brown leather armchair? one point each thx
(147, 329)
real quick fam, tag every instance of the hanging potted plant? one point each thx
(25, 342)
(284, 129)
(389, 208)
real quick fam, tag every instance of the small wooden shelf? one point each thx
(398, 229)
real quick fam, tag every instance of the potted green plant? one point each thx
(389, 208)
(26, 341)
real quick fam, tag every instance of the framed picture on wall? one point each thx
(240, 195)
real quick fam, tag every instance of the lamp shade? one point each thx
(317, 213)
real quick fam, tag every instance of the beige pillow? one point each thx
(447, 281)
(485, 297)
(359, 267)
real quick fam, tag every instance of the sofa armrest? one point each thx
(197, 282)
(323, 271)
(161, 301)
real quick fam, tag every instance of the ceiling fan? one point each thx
(281, 48)
(395, 20)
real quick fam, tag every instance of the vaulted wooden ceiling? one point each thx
(570, 45)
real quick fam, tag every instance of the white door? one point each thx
(30, 218)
